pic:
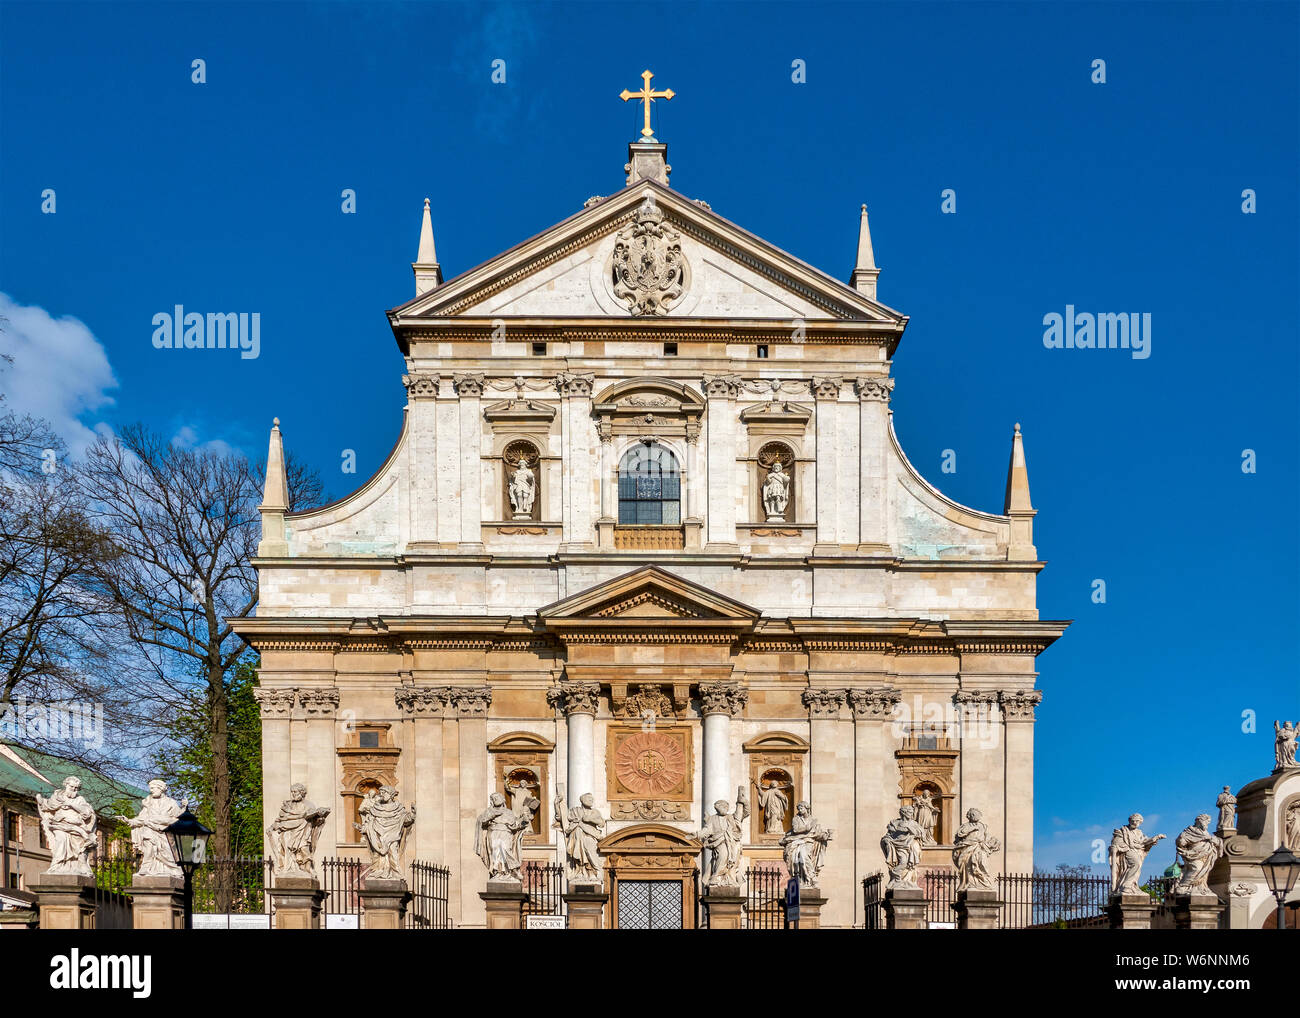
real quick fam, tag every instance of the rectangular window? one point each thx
(762, 351)
(670, 349)
(539, 349)
(13, 829)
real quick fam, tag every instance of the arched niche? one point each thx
(516, 756)
(768, 756)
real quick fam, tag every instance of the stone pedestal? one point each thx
(298, 902)
(586, 903)
(1131, 911)
(724, 906)
(1196, 911)
(66, 901)
(977, 909)
(383, 903)
(904, 908)
(504, 900)
(810, 908)
(158, 903)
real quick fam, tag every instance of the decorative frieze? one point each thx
(876, 703)
(275, 703)
(1019, 704)
(468, 384)
(823, 703)
(649, 809)
(319, 699)
(722, 698)
(420, 386)
(572, 697)
(874, 390)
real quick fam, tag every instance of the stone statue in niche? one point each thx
(499, 835)
(68, 822)
(1129, 846)
(971, 849)
(1200, 850)
(773, 801)
(523, 489)
(926, 814)
(385, 822)
(521, 785)
(292, 836)
(722, 836)
(902, 848)
(805, 846)
(1227, 803)
(158, 811)
(582, 827)
(776, 492)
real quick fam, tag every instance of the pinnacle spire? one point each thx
(865, 271)
(428, 274)
(1017, 499)
(275, 495)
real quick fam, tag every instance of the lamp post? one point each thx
(1280, 872)
(189, 841)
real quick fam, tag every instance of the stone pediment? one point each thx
(643, 254)
(520, 411)
(651, 594)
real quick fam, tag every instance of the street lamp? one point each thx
(1280, 872)
(189, 841)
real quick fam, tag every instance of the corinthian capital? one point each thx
(275, 703)
(1019, 704)
(722, 698)
(874, 390)
(318, 699)
(468, 384)
(824, 703)
(826, 388)
(877, 703)
(420, 386)
(421, 701)
(574, 697)
(571, 383)
(722, 386)
(469, 701)
(975, 701)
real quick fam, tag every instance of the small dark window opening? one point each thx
(762, 351)
(539, 349)
(670, 349)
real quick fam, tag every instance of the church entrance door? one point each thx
(652, 871)
(649, 905)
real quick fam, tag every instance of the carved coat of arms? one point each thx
(647, 267)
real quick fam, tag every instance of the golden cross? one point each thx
(646, 96)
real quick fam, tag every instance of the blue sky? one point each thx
(1123, 196)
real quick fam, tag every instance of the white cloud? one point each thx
(60, 371)
(187, 437)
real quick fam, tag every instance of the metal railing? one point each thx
(236, 885)
(765, 898)
(428, 908)
(113, 875)
(340, 879)
(1029, 900)
(544, 885)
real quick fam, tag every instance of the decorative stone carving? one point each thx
(774, 803)
(875, 390)
(157, 812)
(1129, 846)
(646, 703)
(468, 384)
(384, 825)
(1291, 827)
(582, 827)
(721, 837)
(902, 848)
(522, 489)
(68, 822)
(420, 386)
(469, 701)
(319, 699)
(805, 846)
(649, 809)
(975, 700)
(776, 492)
(1242, 890)
(648, 270)
(926, 814)
(774, 532)
(521, 531)
(824, 703)
(1284, 744)
(498, 837)
(574, 697)
(722, 698)
(575, 384)
(722, 386)
(1227, 803)
(874, 702)
(292, 835)
(1018, 705)
(1199, 851)
(971, 849)
(275, 703)
(826, 388)
(422, 701)
(650, 764)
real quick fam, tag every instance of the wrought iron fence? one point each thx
(940, 887)
(544, 884)
(1029, 900)
(236, 885)
(112, 904)
(873, 887)
(765, 898)
(428, 908)
(340, 879)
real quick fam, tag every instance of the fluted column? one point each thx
(873, 472)
(826, 392)
(578, 702)
(469, 387)
(319, 705)
(580, 449)
(719, 703)
(873, 707)
(720, 451)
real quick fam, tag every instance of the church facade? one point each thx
(647, 533)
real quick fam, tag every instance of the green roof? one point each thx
(100, 790)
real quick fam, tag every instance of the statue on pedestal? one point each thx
(776, 492)
(385, 822)
(523, 490)
(68, 822)
(1227, 803)
(972, 847)
(1284, 744)
(499, 836)
(1200, 850)
(805, 846)
(582, 828)
(1129, 846)
(158, 811)
(902, 847)
(292, 835)
(722, 835)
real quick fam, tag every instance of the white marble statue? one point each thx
(158, 811)
(926, 814)
(1199, 850)
(772, 800)
(292, 835)
(902, 847)
(805, 846)
(721, 836)
(776, 493)
(1291, 827)
(1129, 846)
(499, 836)
(385, 822)
(1227, 803)
(523, 489)
(971, 848)
(519, 790)
(582, 828)
(68, 822)
(1284, 744)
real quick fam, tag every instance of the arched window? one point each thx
(649, 486)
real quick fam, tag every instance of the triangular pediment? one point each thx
(721, 272)
(648, 593)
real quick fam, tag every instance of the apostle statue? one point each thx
(521, 786)
(157, 812)
(1291, 830)
(1284, 744)
(1129, 846)
(971, 848)
(292, 835)
(926, 814)
(902, 847)
(776, 492)
(385, 822)
(805, 846)
(1199, 850)
(523, 489)
(499, 837)
(721, 836)
(1227, 803)
(772, 800)
(582, 828)
(68, 822)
